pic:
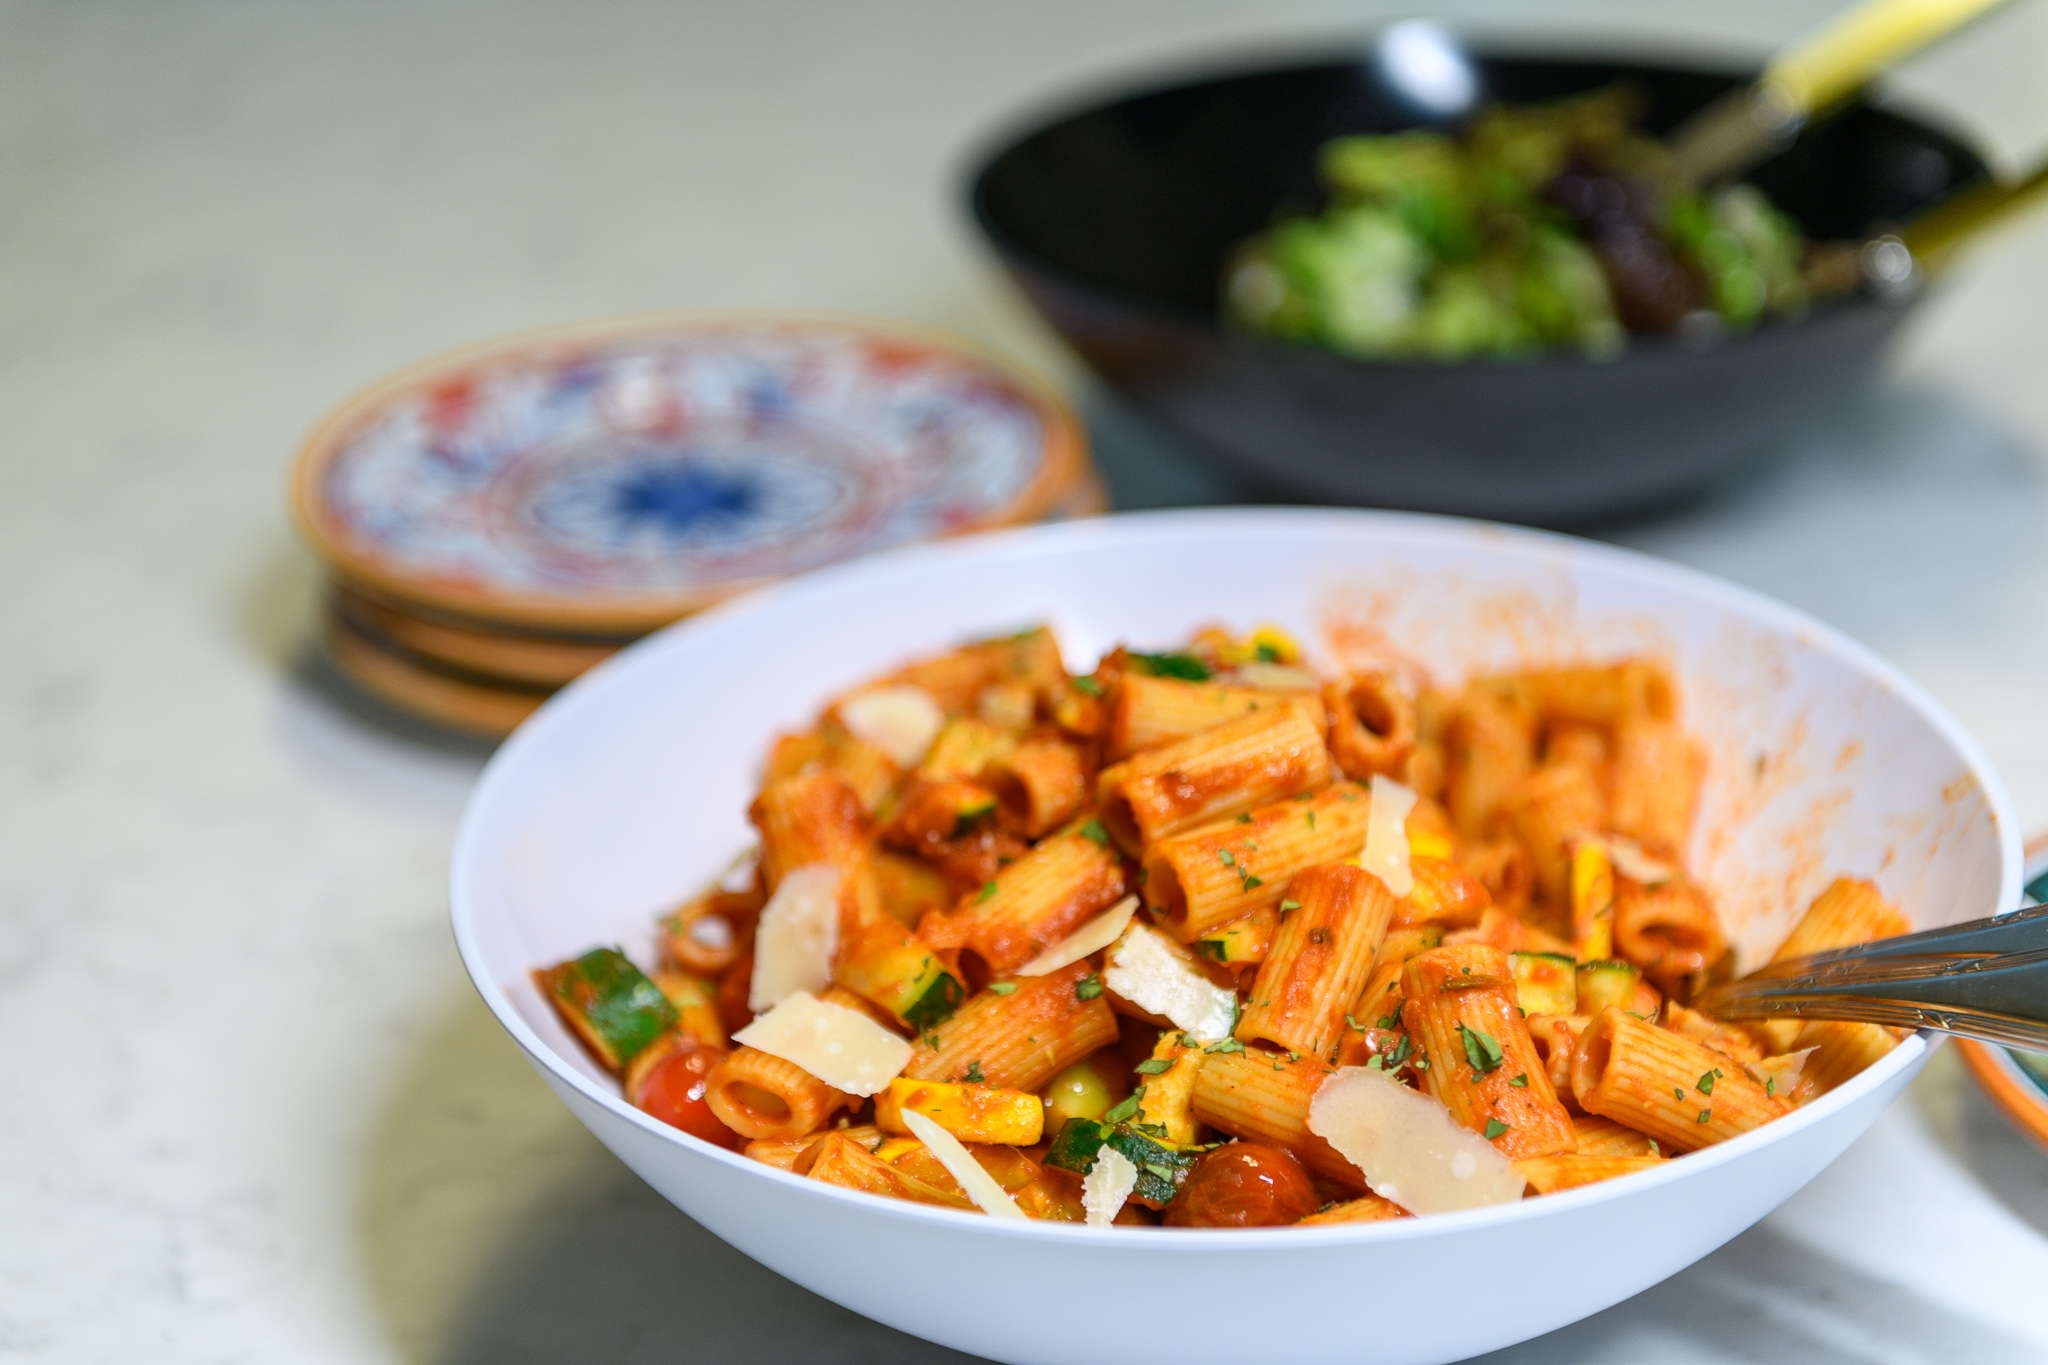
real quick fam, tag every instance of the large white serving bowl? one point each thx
(629, 790)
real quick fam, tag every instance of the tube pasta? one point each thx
(1321, 955)
(1148, 712)
(1460, 1009)
(1372, 725)
(1042, 897)
(1239, 765)
(1679, 1092)
(1657, 769)
(1262, 1097)
(1270, 972)
(1549, 810)
(1021, 1040)
(1222, 871)
(759, 1095)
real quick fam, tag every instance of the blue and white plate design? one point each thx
(682, 462)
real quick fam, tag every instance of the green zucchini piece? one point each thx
(609, 1003)
(1162, 1166)
(1601, 984)
(902, 975)
(1545, 983)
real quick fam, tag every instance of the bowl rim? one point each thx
(1210, 68)
(1209, 525)
(1064, 459)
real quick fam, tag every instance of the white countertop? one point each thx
(249, 1107)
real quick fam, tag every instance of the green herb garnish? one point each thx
(1183, 666)
(1088, 987)
(1494, 1128)
(1481, 1050)
(1095, 834)
(1154, 1066)
(1003, 987)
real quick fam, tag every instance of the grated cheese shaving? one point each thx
(900, 720)
(1107, 1185)
(1092, 937)
(797, 936)
(1632, 862)
(981, 1187)
(1144, 969)
(1409, 1147)
(1386, 835)
(841, 1047)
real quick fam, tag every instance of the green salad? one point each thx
(1537, 228)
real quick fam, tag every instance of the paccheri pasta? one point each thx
(1202, 938)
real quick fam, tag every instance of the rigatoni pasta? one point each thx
(1120, 939)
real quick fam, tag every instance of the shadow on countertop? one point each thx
(498, 1232)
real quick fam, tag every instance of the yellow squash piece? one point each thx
(972, 1113)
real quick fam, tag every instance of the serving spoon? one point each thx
(1815, 74)
(1987, 979)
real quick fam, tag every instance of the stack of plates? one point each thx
(499, 520)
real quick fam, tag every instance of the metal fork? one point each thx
(1986, 979)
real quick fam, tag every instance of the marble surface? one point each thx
(249, 1108)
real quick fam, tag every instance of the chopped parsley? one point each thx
(1706, 1082)
(1655, 1150)
(1520, 1082)
(1311, 819)
(1677, 1092)
(1229, 859)
(988, 891)
(1163, 1172)
(1088, 987)
(1244, 817)
(1088, 685)
(1227, 1045)
(1770, 1085)
(1250, 881)
(1285, 906)
(1186, 667)
(1494, 1128)
(1705, 1114)
(1095, 834)
(1391, 1021)
(1121, 1112)
(1003, 987)
(1212, 948)
(1482, 1050)
(974, 1074)
(1154, 1067)
(1267, 654)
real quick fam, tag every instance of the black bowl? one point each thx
(1116, 222)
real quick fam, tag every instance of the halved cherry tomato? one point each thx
(1243, 1185)
(673, 1091)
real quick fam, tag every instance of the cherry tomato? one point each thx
(673, 1091)
(1243, 1185)
(732, 995)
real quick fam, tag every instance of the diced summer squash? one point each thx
(1082, 1091)
(1601, 984)
(910, 888)
(1162, 1166)
(964, 749)
(898, 972)
(1592, 883)
(1242, 942)
(609, 1003)
(1545, 983)
(696, 1002)
(1443, 894)
(972, 1113)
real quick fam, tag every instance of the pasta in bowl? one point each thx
(1065, 947)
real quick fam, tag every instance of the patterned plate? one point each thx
(611, 477)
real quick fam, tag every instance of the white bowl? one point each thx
(629, 790)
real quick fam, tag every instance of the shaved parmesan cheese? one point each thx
(1781, 1074)
(1092, 937)
(980, 1186)
(1409, 1147)
(841, 1047)
(1386, 835)
(1275, 678)
(1632, 862)
(900, 720)
(1144, 969)
(1107, 1185)
(797, 936)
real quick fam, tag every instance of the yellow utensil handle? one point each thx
(1933, 237)
(1847, 53)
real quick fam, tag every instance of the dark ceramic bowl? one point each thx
(1116, 222)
